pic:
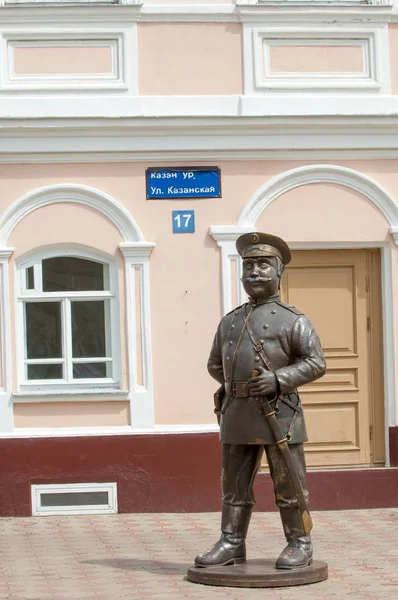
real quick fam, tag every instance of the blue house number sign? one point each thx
(182, 182)
(183, 221)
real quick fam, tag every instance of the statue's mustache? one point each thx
(256, 279)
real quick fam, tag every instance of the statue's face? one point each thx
(260, 277)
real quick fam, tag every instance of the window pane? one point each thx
(30, 279)
(74, 498)
(45, 372)
(88, 329)
(43, 330)
(89, 370)
(69, 274)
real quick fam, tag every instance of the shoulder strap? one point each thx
(233, 310)
(290, 307)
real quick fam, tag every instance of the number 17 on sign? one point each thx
(183, 221)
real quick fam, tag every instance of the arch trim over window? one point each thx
(90, 197)
(310, 174)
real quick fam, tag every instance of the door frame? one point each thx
(387, 318)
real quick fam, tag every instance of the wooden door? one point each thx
(339, 290)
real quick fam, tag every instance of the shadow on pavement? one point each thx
(135, 564)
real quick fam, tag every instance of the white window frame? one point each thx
(38, 510)
(22, 294)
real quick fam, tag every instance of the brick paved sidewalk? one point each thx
(145, 556)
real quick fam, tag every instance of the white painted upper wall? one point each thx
(222, 58)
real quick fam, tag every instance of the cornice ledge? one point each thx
(190, 13)
(126, 126)
(314, 10)
(43, 11)
(136, 249)
(225, 234)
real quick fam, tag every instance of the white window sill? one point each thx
(69, 394)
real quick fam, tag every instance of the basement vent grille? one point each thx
(74, 499)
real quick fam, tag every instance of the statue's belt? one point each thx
(240, 389)
(237, 389)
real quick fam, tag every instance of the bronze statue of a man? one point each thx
(262, 352)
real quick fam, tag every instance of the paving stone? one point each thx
(145, 557)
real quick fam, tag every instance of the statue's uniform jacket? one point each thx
(292, 346)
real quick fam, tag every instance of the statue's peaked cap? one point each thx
(256, 244)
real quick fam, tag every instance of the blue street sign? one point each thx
(183, 182)
(183, 221)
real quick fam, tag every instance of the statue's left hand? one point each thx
(263, 384)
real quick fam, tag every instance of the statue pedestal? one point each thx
(258, 573)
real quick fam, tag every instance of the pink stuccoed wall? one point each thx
(189, 58)
(315, 58)
(185, 268)
(71, 59)
(321, 212)
(72, 414)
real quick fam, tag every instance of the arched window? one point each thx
(68, 327)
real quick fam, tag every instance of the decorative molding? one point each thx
(394, 233)
(133, 250)
(201, 155)
(75, 194)
(81, 105)
(105, 431)
(309, 3)
(5, 254)
(90, 12)
(207, 138)
(225, 234)
(23, 12)
(136, 258)
(394, 15)
(189, 13)
(70, 395)
(314, 11)
(116, 79)
(333, 174)
(6, 409)
(373, 41)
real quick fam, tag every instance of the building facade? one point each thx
(108, 308)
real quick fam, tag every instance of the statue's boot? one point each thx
(298, 552)
(230, 548)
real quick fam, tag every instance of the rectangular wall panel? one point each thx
(321, 58)
(65, 61)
